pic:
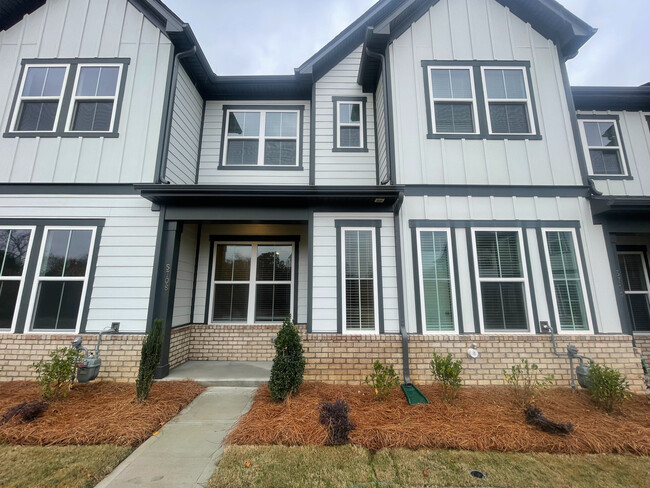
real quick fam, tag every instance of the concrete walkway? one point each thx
(185, 452)
(223, 373)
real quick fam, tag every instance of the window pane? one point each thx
(57, 305)
(66, 253)
(37, 116)
(233, 262)
(272, 302)
(107, 86)
(631, 266)
(8, 300)
(451, 83)
(281, 124)
(45, 82)
(13, 251)
(509, 118)
(601, 134)
(230, 303)
(280, 153)
(349, 113)
(454, 117)
(88, 81)
(274, 263)
(92, 116)
(242, 151)
(640, 311)
(505, 83)
(350, 137)
(244, 124)
(605, 161)
(436, 281)
(504, 306)
(498, 254)
(359, 284)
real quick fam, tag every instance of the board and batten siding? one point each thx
(343, 168)
(380, 118)
(185, 132)
(185, 276)
(209, 172)
(324, 298)
(635, 135)
(88, 29)
(512, 209)
(482, 30)
(122, 283)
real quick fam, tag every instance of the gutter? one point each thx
(382, 59)
(400, 292)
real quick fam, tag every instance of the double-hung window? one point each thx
(359, 280)
(565, 272)
(252, 282)
(634, 273)
(453, 100)
(350, 124)
(502, 282)
(602, 141)
(508, 103)
(437, 297)
(94, 98)
(15, 247)
(262, 138)
(39, 98)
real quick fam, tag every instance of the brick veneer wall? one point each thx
(643, 344)
(233, 342)
(120, 354)
(179, 346)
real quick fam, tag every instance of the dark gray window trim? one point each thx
(617, 279)
(633, 248)
(32, 262)
(364, 117)
(497, 190)
(295, 239)
(340, 224)
(617, 120)
(67, 98)
(301, 115)
(480, 100)
(419, 313)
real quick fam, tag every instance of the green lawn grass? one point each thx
(57, 467)
(348, 466)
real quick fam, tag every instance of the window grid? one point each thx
(514, 101)
(359, 328)
(13, 278)
(618, 148)
(472, 100)
(640, 317)
(342, 125)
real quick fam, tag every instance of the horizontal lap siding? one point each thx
(382, 156)
(123, 274)
(185, 276)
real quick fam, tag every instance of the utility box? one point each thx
(88, 369)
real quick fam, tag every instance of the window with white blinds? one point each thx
(437, 298)
(634, 274)
(453, 100)
(359, 280)
(502, 282)
(569, 294)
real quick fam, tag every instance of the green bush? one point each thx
(447, 371)
(383, 380)
(527, 381)
(56, 375)
(608, 387)
(149, 360)
(288, 364)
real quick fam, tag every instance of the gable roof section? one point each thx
(12, 11)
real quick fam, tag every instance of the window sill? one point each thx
(65, 135)
(260, 168)
(350, 149)
(611, 177)
(489, 137)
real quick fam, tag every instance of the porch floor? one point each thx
(223, 373)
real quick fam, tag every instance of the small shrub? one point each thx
(26, 411)
(447, 371)
(528, 382)
(383, 380)
(335, 416)
(56, 374)
(288, 364)
(608, 386)
(534, 416)
(149, 360)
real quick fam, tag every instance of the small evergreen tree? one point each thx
(149, 359)
(289, 364)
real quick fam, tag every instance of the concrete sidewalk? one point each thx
(185, 452)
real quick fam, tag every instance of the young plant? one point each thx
(528, 382)
(149, 360)
(383, 380)
(288, 364)
(335, 416)
(608, 387)
(447, 372)
(56, 374)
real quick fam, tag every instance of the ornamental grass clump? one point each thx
(608, 387)
(288, 364)
(382, 380)
(56, 374)
(527, 381)
(149, 360)
(447, 372)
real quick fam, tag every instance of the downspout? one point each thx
(160, 177)
(400, 295)
(384, 77)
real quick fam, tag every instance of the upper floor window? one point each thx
(453, 100)
(350, 124)
(262, 138)
(602, 142)
(68, 98)
(507, 100)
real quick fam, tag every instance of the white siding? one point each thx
(479, 30)
(342, 168)
(209, 172)
(185, 276)
(124, 269)
(88, 29)
(380, 116)
(324, 299)
(513, 209)
(185, 132)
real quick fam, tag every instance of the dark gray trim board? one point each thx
(312, 137)
(497, 190)
(198, 155)
(165, 122)
(310, 269)
(617, 121)
(524, 224)
(364, 118)
(195, 278)
(617, 279)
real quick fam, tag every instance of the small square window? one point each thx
(602, 143)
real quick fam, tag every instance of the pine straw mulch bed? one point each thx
(481, 419)
(103, 412)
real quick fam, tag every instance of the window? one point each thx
(62, 278)
(569, 294)
(252, 282)
(359, 280)
(15, 246)
(453, 100)
(68, 98)
(262, 137)
(502, 283)
(350, 124)
(507, 100)
(603, 144)
(634, 273)
(437, 297)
